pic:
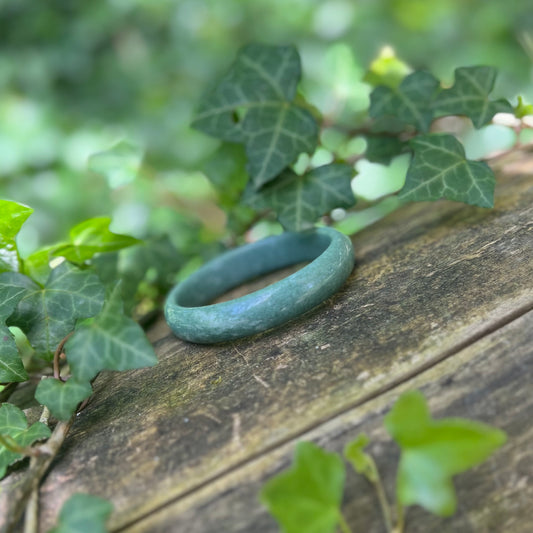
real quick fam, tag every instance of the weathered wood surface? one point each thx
(490, 381)
(185, 445)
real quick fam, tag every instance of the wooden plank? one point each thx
(489, 381)
(430, 280)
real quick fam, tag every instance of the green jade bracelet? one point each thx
(191, 318)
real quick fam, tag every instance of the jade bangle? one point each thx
(191, 318)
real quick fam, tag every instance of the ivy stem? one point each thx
(19, 492)
(400, 518)
(372, 474)
(345, 528)
(57, 355)
(11, 444)
(383, 503)
(31, 517)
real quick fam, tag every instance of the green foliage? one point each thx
(47, 314)
(522, 109)
(83, 513)
(411, 102)
(119, 165)
(254, 104)
(13, 216)
(11, 368)
(382, 148)
(307, 497)
(37, 265)
(439, 169)
(14, 427)
(251, 98)
(109, 341)
(419, 98)
(362, 462)
(387, 69)
(55, 113)
(62, 398)
(13, 287)
(152, 265)
(92, 237)
(86, 239)
(299, 200)
(435, 450)
(226, 171)
(470, 96)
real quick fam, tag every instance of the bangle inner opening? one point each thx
(233, 269)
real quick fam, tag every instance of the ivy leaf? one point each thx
(382, 148)
(154, 262)
(260, 75)
(13, 424)
(254, 104)
(62, 398)
(410, 102)
(522, 109)
(92, 237)
(361, 461)
(37, 265)
(439, 169)
(13, 286)
(300, 200)
(119, 165)
(469, 96)
(276, 139)
(225, 169)
(387, 69)
(47, 314)
(435, 450)
(11, 368)
(240, 218)
(12, 216)
(307, 496)
(109, 341)
(83, 513)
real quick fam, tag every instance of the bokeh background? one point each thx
(78, 77)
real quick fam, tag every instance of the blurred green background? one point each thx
(77, 77)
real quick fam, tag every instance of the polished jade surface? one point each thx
(191, 318)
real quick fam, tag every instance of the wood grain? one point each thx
(430, 280)
(488, 381)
